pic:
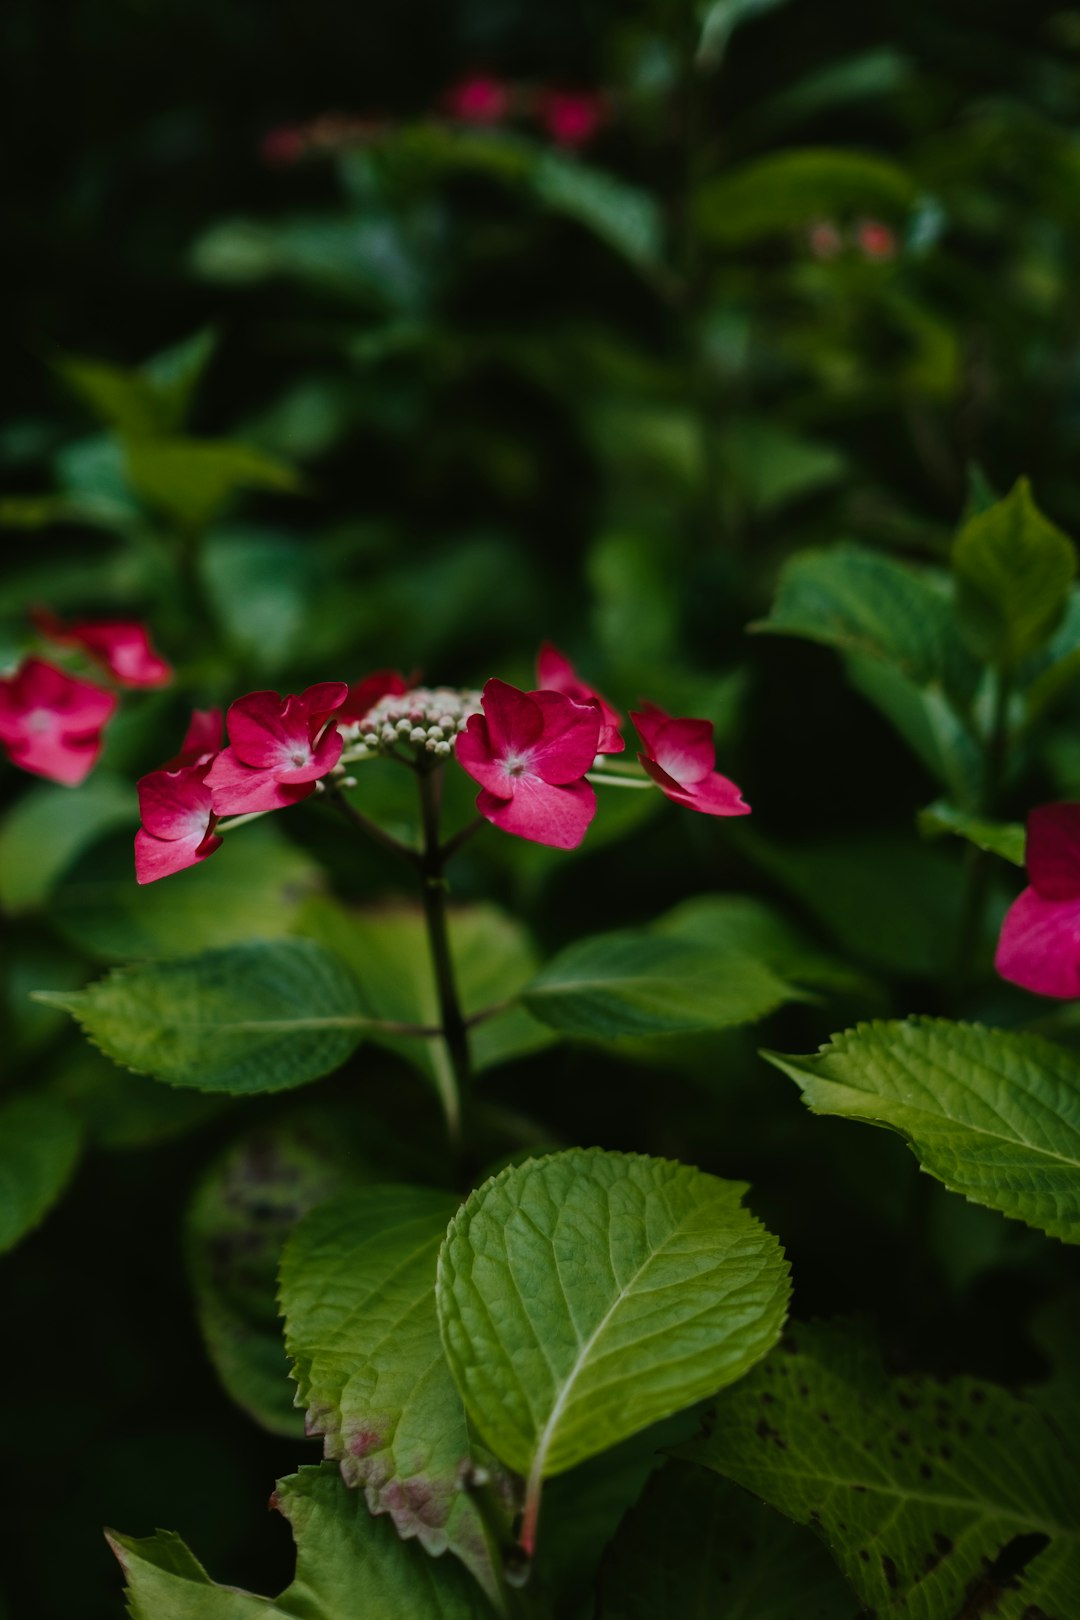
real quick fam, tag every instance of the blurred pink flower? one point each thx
(530, 751)
(178, 822)
(120, 646)
(51, 723)
(875, 239)
(825, 240)
(279, 748)
(680, 757)
(555, 673)
(572, 117)
(1039, 946)
(364, 695)
(283, 146)
(479, 99)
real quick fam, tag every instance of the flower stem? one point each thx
(372, 830)
(602, 779)
(454, 1086)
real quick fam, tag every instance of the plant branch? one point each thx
(433, 892)
(372, 830)
(452, 845)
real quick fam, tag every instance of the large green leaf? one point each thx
(387, 949)
(700, 1549)
(789, 190)
(742, 922)
(49, 827)
(192, 480)
(251, 889)
(236, 1226)
(348, 1565)
(39, 1148)
(919, 1488)
(1004, 838)
(994, 1115)
(641, 983)
(586, 1295)
(259, 1017)
(1014, 570)
(358, 1294)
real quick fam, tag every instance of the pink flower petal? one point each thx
(260, 732)
(51, 722)
(567, 745)
(317, 702)
(514, 720)
(239, 789)
(1053, 850)
(175, 804)
(205, 735)
(121, 646)
(365, 694)
(323, 757)
(555, 673)
(541, 812)
(1039, 946)
(685, 749)
(63, 759)
(648, 721)
(475, 755)
(158, 857)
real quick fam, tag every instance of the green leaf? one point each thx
(387, 949)
(586, 1295)
(774, 465)
(994, 1115)
(261, 586)
(347, 1565)
(119, 1111)
(358, 1294)
(192, 480)
(788, 190)
(741, 922)
(235, 1230)
(260, 1017)
(252, 888)
(917, 1487)
(175, 374)
(640, 983)
(1004, 838)
(39, 1148)
(1014, 570)
(720, 19)
(626, 217)
(48, 827)
(700, 1549)
(119, 397)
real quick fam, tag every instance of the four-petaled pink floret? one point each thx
(1039, 946)
(120, 646)
(51, 723)
(573, 117)
(555, 673)
(530, 751)
(680, 756)
(279, 748)
(178, 822)
(479, 99)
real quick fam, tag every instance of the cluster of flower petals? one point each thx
(530, 752)
(680, 756)
(556, 673)
(122, 647)
(1039, 946)
(278, 749)
(572, 118)
(51, 723)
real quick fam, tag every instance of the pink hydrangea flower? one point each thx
(555, 673)
(479, 99)
(51, 723)
(279, 748)
(1039, 946)
(205, 737)
(178, 822)
(530, 751)
(680, 756)
(876, 240)
(120, 646)
(573, 117)
(364, 695)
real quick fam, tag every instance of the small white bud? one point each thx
(349, 782)
(371, 739)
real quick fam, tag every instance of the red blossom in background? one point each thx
(177, 822)
(530, 751)
(555, 673)
(51, 723)
(283, 146)
(680, 756)
(572, 117)
(875, 239)
(279, 748)
(205, 737)
(1039, 946)
(120, 646)
(479, 99)
(364, 695)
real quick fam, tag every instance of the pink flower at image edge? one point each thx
(278, 749)
(1039, 946)
(120, 646)
(51, 723)
(178, 822)
(680, 756)
(530, 752)
(555, 673)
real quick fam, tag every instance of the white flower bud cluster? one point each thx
(428, 718)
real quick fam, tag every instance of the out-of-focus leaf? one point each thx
(720, 19)
(774, 465)
(1014, 570)
(869, 76)
(39, 1148)
(194, 479)
(627, 218)
(362, 257)
(787, 190)
(119, 1111)
(996, 837)
(49, 827)
(261, 586)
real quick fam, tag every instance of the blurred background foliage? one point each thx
(316, 377)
